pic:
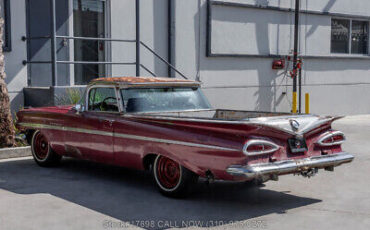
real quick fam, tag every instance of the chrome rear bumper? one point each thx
(289, 166)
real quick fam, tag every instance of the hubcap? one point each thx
(41, 146)
(168, 172)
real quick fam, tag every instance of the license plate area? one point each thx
(297, 145)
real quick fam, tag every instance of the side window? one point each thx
(103, 99)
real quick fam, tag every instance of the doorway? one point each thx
(89, 20)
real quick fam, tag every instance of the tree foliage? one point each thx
(6, 123)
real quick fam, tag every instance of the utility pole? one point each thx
(295, 56)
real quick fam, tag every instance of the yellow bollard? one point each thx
(294, 104)
(307, 103)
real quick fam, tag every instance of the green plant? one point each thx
(20, 138)
(71, 97)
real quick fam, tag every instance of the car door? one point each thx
(91, 131)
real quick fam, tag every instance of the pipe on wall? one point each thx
(137, 25)
(171, 35)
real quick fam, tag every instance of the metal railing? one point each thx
(163, 60)
(54, 62)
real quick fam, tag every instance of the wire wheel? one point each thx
(40, 146)
(168, 173)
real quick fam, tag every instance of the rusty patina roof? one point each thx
(143, 81)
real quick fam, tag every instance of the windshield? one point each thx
(163, 99)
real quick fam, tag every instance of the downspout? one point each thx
(197, 77)
(137, 17)
(171, 33)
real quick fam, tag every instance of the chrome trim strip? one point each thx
(328, 135)
(166, 141)
(168, 112)
(126, 136)
(63, 128)
(289, 166)
(259, 142)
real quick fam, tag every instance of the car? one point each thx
(167, 125)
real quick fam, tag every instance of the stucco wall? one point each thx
(153, 32)
(337, 86)
(123, 27)
(40, 49)
(16, 72)
(358, 7)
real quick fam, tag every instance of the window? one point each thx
(359, 37)
(349, 36)
(5, 14)
(339, 36)
(103, 99)
(163, 99)
(89, 21)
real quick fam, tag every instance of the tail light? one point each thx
(331, 138)
(257, 147)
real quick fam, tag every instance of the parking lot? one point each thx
(85, 195)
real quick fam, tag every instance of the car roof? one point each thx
(144, 81)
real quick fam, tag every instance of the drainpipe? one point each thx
(137, 15)
(171, 33)
(197, 77)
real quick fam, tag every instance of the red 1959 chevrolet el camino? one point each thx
(167, 126)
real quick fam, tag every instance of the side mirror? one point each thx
(78, 108)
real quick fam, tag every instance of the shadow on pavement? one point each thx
(130, 195)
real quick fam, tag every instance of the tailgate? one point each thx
(297, 125)
(297, 138)
(311, 145)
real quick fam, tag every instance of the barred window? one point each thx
(349, 36)
(340, 36)
(359, 38)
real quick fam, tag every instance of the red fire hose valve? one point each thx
(278, 64)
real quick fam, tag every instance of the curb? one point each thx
(15, 152)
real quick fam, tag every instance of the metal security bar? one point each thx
(162, 59)
(96, 39)
(54, 37)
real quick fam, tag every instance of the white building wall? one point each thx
(16, 72)
(153, 32)
(359, 7)
(154, 26)
(123, 27)
(337, 86)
